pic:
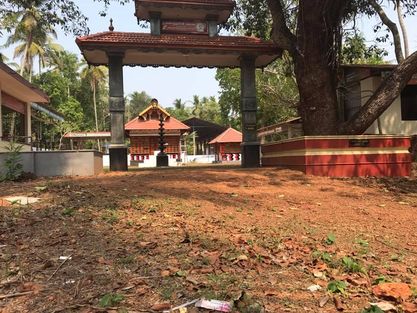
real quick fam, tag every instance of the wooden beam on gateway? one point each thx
(177, 50)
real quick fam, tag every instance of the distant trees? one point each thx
(206, 108)
(96, 76)
(276, 91)
(76, 91)
(136, 103)
(33, 37)
(355, 51)
(55, 13)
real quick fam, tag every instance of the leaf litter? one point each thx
(153, 240)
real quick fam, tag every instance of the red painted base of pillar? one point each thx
(342, 156)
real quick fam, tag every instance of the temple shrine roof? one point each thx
(148, 119)
(230, 135)
(170, 123)
(179, 50)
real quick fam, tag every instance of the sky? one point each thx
(168, 84)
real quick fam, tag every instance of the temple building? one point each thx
(227, 145)
(182, 34)
(202, 133)
(143, 132)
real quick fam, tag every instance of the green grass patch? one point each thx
(110, 300)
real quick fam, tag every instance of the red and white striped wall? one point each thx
(342, 156)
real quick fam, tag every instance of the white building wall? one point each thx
(390, 121)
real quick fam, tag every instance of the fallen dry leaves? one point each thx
(151, 240)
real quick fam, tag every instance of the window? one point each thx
(409, 103)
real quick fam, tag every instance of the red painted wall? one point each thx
(335, 156)
(12, 103)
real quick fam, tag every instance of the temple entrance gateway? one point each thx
(183, 34)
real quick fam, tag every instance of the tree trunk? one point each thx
(317, 36)
(384, 96)
(95, 114)
(22, 71)
(318, 101)
(12, 127)
(392, 27)
(403, 29)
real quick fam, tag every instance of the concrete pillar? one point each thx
(250, 146)
(117, 148)
(28, 123)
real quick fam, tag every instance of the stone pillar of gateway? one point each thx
(183, 34)
(248, 107)
(117, 148)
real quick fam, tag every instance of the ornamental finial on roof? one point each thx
(111, 27)
(154, 102)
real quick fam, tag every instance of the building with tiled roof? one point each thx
(204, 132)
(26, 102)
(227, 145)
(143, 132)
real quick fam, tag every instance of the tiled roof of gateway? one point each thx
(145, 40)
(229, 135)
(171, 123)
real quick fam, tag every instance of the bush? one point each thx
(12, 164)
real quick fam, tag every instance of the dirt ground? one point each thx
(140, 241)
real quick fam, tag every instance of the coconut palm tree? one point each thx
(95, 75)
(32, 34)
(46, 52)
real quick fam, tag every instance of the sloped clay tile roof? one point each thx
(171, 123)
(229, 135)
(166, 41)
(43, 97)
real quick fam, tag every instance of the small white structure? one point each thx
(359, 84)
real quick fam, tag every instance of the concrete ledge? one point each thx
(342, 156)
(60, 163)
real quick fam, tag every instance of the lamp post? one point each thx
(162, 157)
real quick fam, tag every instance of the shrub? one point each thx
(12, 164)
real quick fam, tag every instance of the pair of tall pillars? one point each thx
(118, 150)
